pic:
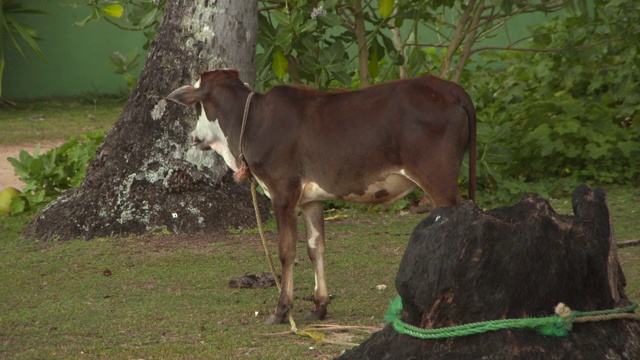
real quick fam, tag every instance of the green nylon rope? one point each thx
(556, 325)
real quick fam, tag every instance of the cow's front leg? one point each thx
(286, 222)
(313, 215)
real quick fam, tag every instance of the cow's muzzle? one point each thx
(199, 144)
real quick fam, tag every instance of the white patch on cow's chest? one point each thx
(210, 133)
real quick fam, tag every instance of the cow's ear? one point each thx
(185, 95)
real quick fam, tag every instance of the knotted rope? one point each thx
(557, 325)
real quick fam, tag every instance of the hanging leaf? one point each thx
(385, 8)
(279, 64)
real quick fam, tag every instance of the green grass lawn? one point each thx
(34, 121)
(168, 297)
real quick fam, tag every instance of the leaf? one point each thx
(28, 36)
(331, 19)
(19, 168)
(627, 147)
(36, 166)
(267, 33)
(308, 26)
(113, 10)
(374, 59)
(330, 4)
(279, 64)
(385, 8)
(95, 16)
(332, 54)
(284, 37)
(149, 18)
(17, 205)
(342, 77)
(280, 18)
(25, 157)
(594, 151)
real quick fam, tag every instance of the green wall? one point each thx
(77, 57)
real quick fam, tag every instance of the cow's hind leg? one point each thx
(313, 216)
(439, 178)
(285, 213)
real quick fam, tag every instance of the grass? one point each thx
(35, 121)
(168, 297)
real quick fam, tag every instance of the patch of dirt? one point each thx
(7, 176)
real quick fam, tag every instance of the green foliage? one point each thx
(296, 46)
(131, 15)
(47, 176)
(553, 119)
(12, 30)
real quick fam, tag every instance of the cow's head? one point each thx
(207, 134)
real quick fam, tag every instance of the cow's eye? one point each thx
(198, 109)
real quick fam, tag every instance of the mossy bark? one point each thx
(146, 176)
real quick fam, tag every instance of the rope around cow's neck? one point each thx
(244, 172)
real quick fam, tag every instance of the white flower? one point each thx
(318, 11)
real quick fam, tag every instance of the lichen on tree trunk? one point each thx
(146, 176)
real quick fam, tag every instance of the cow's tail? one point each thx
(467, 104)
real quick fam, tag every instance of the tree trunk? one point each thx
(146, 176)
(466, 266)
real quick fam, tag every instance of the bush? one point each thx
(550, 120)
(47, 176)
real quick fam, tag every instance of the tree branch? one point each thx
(361, 39)
(470, 40)
(543, 50)
(457, 38)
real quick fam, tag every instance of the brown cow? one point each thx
(368, 146)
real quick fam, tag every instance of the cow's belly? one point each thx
(385, 191)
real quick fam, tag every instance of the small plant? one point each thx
(47, 176)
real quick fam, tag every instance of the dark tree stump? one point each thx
(464, 265)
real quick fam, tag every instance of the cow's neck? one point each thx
(231, 111)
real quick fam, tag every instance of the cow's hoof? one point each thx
(316, 315)
(274, 320)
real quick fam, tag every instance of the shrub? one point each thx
(47, 176)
